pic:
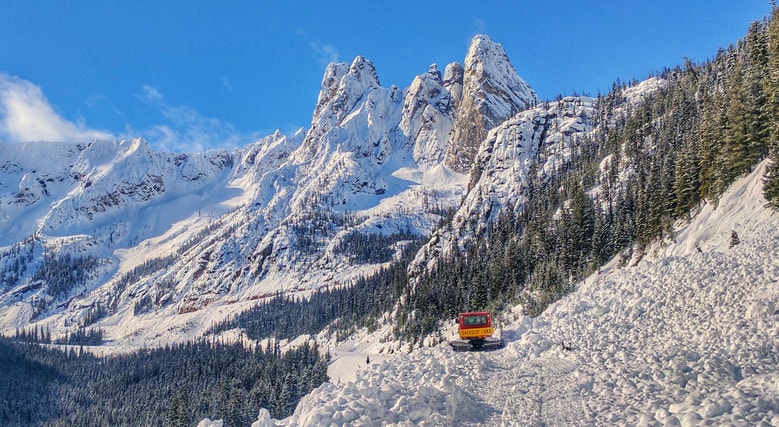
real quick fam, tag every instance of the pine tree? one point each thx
(756, 81)
(771, 180)
(712, 126)
(771, 183)
(737, 145)
(177, 410)
(772, 78)
(686, 186)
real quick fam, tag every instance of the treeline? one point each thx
(650, 165)
(81, 336)
(14, 261)
(171, 386)
(371, 248)
(57, 275)
(60, 274)
(40, 336)
(341, 309)
(312, 227)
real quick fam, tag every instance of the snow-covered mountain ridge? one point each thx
(154, 247)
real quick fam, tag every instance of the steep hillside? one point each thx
(558, 190)
(685, 336)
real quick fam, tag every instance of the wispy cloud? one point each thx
(479, 26)
(26, 115)
(187, 129)
(150, 94)
(324, 52)
(226, 83)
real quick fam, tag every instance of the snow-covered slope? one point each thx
(686, 336)
(64, 189)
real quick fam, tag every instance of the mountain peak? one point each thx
(363, 71)
(482, 40)
(343, 86)
(434, 73)
(490, 69)
(492, 92)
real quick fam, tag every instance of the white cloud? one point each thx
(479, 26)
(188, 130)
(325, 53)
(151, 94)
(26, 115)
(226, 83)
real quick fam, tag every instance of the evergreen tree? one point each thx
(771, 183)
(175, 385)
(177, 412)
(712, 166)
(737, 144)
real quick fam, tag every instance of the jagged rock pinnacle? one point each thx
(492, 91)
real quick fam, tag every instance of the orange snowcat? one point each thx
(476, 333)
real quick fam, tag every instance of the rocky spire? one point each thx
(343, 85)
(427, 117)
(453, 82)
(492, 91)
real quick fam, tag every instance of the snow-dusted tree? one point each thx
(771, 183)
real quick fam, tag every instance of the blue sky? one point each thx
(194, 75)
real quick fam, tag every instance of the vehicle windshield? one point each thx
(475, 320)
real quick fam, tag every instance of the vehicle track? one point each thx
(541, 392)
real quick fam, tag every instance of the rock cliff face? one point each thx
(540, 139)
(165, 235)
(428, 116)
(491, 93)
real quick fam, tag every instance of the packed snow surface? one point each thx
(685, 335)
